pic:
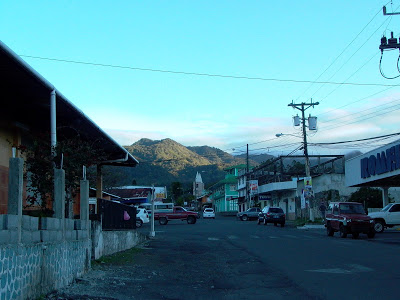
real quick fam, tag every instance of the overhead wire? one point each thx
(204, 74)
(340, 54)
(345, 63)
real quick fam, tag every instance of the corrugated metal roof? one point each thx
(26, 97)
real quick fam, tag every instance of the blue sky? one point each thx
(281, 40)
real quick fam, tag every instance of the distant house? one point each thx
(224, 194)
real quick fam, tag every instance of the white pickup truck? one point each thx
(389, 216)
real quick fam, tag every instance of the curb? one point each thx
(311, 227)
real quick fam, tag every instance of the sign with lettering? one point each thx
(382, 162)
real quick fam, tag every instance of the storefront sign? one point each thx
(383, 162)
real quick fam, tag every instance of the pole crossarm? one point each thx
(385, 13)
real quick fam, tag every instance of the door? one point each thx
(393, 216)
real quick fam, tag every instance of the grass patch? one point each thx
(120, 258)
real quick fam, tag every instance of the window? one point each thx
(276, 210)
(395, 208)
(335, 209)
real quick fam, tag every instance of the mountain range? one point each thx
(162, 162)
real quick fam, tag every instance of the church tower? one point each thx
(198, 186)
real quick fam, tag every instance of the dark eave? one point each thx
(25, 97)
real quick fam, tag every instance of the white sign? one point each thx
(303, 199)
(253, 186)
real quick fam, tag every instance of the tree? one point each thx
(296, 168)
(370, 197)
(71, 155)
(176, 190)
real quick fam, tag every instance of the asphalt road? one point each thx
(230, 259)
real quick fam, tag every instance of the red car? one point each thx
(176, 213)
(348, 218)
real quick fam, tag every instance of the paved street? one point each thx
(229, 259)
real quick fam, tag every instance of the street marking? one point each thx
(232, 237)
(213, 239)
(273, 237)
(291, 236)
(254, 236)
(350, 270)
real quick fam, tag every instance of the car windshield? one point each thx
(208, 210)
(352, 209)
(386, 207)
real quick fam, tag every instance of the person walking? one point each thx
(322, 209)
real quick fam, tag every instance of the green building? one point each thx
(224, 194)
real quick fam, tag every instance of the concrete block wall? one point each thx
(113, 241)
(28, 271)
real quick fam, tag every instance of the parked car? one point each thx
(389, 216)
(251, 213)
(193, 210)
(176, 213)
(208, 213)
(272, 215)
(142, 216)
(348, 218)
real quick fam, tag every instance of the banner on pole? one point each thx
(253, 187)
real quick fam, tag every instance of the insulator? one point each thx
(383, 40)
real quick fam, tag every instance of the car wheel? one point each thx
(265, 222)
(371, 234)
(355, 235)
(191, 220)
(329, 230)
(379, 227)
(139, 223)
(283, 224)
(275, 224)
(343, 232)
(163, 221)
(244, 218)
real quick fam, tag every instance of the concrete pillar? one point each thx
(59, 193)
(15, 187)
(99, 186)
(84, 193)
(385, 196)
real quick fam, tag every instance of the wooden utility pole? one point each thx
(303, 107)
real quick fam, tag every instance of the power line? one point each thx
(368, 109)
(206, 74)
(341, 53)
(345, 63)
(359, 140)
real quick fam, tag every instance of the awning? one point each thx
(26, 105)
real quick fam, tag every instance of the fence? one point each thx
(116, 215)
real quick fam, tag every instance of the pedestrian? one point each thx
(322, 209)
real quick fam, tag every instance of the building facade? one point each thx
(224, 194)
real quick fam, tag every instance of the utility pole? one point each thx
(247, 175)
(303, 107)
